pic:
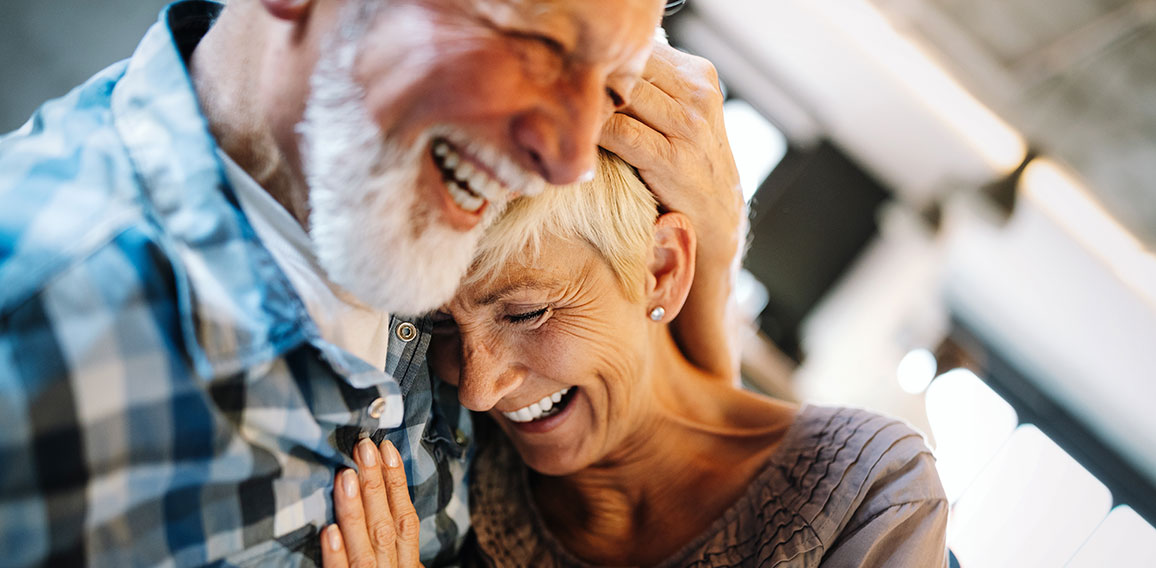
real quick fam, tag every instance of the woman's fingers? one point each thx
(376, 521)
(332, 548)
(375, 500)
(351, 519)
(405, 518)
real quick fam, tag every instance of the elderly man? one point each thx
(211, 256)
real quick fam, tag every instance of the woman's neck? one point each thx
(693, 452)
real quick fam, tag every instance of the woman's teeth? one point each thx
(539, 409)
(468, 186)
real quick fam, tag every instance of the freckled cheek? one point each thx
(550, 354)
(548, 358)
(591, 359)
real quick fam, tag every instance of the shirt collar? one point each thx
(238, 309)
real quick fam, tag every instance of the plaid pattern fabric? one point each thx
(165, 400)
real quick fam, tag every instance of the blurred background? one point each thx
(953, 221)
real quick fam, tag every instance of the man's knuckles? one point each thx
(706, 74)
(625, 132)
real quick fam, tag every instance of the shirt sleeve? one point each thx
(902, 521)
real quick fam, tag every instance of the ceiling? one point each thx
(1076, 77)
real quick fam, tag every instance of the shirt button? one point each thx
(377, 408)
(406, 331)
(460, 437)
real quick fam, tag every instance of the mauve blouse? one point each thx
(846, 487)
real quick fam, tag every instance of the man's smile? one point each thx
(467, 183)
(475, 175)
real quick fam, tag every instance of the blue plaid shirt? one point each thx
(165, 398)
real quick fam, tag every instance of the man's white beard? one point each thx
(364, 202)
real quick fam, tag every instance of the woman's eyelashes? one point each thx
(527, 317)
(444, 323)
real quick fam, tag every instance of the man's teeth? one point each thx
(465, 199)
(512, 176)
(538, 409)
(469, 186)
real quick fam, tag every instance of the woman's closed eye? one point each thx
(527, 317)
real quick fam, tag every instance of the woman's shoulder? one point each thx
(860, 445)
(867, 485)
(836, 471)
(834, 460)
(848, 473)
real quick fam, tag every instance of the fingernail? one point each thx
(333, 537)
(392, 458)
(368, 452)
(349, 483)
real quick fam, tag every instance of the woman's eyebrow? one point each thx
(530, 283)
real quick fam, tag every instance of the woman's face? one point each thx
(554, 351)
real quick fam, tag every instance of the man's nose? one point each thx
(486, 376)
(560, 133)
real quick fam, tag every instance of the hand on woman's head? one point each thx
(673, 132)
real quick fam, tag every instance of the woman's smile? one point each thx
(534, 419)
(548, 406)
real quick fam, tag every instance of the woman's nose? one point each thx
(486, 376)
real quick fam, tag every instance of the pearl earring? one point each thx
(657, 313)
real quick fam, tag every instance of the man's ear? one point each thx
(291, 10)
(671, 266)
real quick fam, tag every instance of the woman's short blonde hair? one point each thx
(614, 213)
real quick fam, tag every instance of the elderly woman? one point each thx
(610, 448)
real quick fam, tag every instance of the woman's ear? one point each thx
(291, 10)
(671, 265)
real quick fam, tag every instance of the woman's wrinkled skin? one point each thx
(645, 430)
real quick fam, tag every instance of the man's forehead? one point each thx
(600, 24)
(554, 12)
